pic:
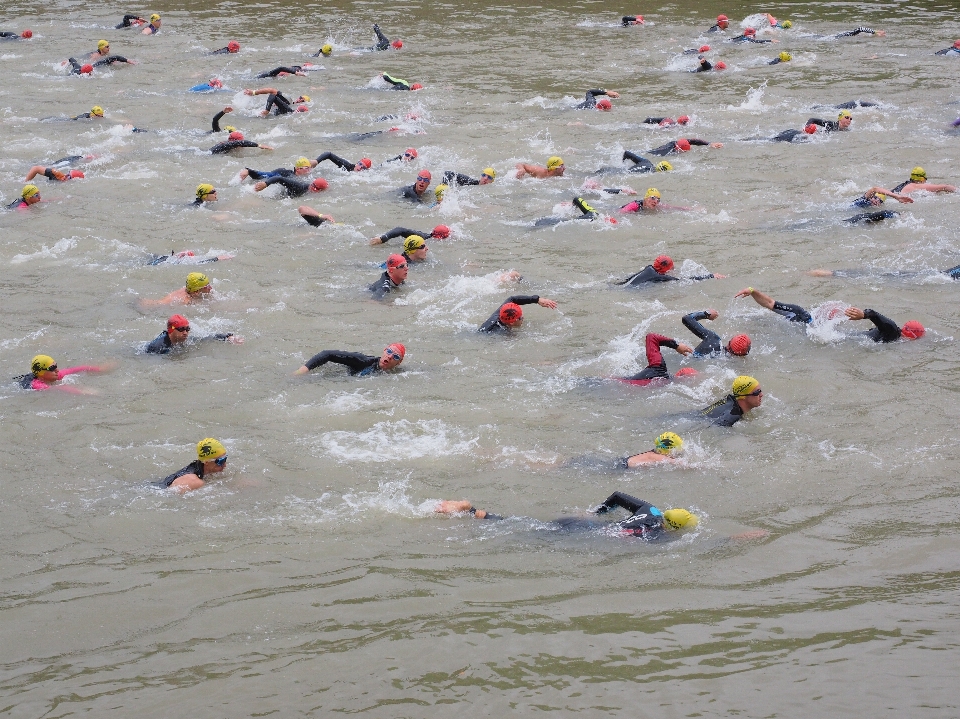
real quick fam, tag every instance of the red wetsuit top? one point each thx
(656, 370)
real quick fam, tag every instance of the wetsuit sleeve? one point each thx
(382, 287)
(247, 143)
(522, 300)
(492, 323)
(459, 178)
(355, 361)
(856, 31)
(647, 274)
(711, 340)
(313, 220)
(622, 501)
(794, 313)
(817, 121)
(663, 150)
(294, 187)
(383, 42)
(336, 160)
(695, 141)
(397, 232)
(158, 346)
(282, 104)
(886, 329)
(654, 120)
(653, 344)
(723, 413)
(216, 121)
(126, 21)
(943, 52)
(397, 83)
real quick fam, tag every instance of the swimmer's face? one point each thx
(485, 179)
(651, 203)
(210, 197)
(876, 201)
(49, 375)
(205, 290)
(215, 466)
(420, 254)
(301, 170)
(754, 399)
(398, 274)
(390, 359)
(421, 184)
(178, 335)
(844, 122)
(558, 171)
(724, 24)
(34, 199)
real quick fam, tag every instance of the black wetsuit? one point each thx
(75, 67)
(313, 220)
(195, 467)
(221, 51)
(586, 213)
(109, 60)
(671, 147)
(947, 51)
(356, 363)
(338, 161)
(899, 188)
(877, 216)
(266, 175)
(162, 345)
(641, 164)
(591, 99)
(397, 83)
(855, 31)
(404, 233)
(645, 520)
(827, 125)
(294, 188)
(383, 42)
(126, 21)
(711, 343)
(716, 28)
(410, 193)
(7, 35)
(748, 38)
(886, 329)
(853, 104)
(776, 61)
(648, 274)
(216, 121)
(455, 178)
(794, 313)
(223, 147)
(656, 365)
(383, 286)
(724, 413)
(279, 103)
(493, 323)
(704, 66)
(277, 70)
(628, 20)
(787, 136)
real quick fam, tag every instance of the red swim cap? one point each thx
(416, 86)
(86, 69)
(177, 321)
(235, 135)
(739, 345)
(319, 185)
(412, 151)
(396, 260)
(721, 18)
(720, 65)
(303, 108)
(233, 46)
(604, 104)
(77, 174)
(956, 43)
(425, 174)
(397, 44)
(398, 348)
(810, 129)
(216, 82)
(750, 32)
(912, 330)
(683, 119)
(27, 34)
(441, 232)
(667, 121)
(366, 162)
(704, 48)
(683, 144)
(686, 372)
(663, 264)
(510, 313)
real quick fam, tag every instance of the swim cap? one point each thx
(679, 518)
(154, 17)
(97, 111)
(177, 321)
(41, 363)
(29, 191)
(683, 119)
(490, 172)
(683, 144)
(412, 151)
(366, 162)
(441, 188)
(27, 34)
(787, 57)
(750, 32)
(686, 372)
(722, 18)
(663, 264)
(704, 48)
(786, 24)
(810, 129)
(397, 44)
(235, 135)
(205, 189)
(233, 46)
(215, 82)
(326, 49)
(229, 128)
(720, 65)
(303, 108)
(302, 162)
(209, 449)
(739, 345)
(424, 175)
(912, 330)
(668, 443)
(441, 232)
(554, 162)
(86, 69)
(918, 174)
(744, 385)
(76, 175)
(413, 242)
(196, 281)
(102, 44)
(319, 185)
(663, 166)
(416, 86)
(399, 349)
(305, 98)
(604, 104)
(652, 192)
(510, 313)
(396, 260)
(956, 43)
(844, 113)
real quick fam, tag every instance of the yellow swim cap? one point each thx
(196, 281)
(845, 113)
(490, 172)
(918, 174)
(305, 98)
(679, 518)
(785, 56)
(441, 188)
(744, 385)
(668, 443)
(154, 17)
(664, 166)
(209, 449)
(302, 162)
(229, 128)
(652, 192)
(41, 363)
(554, 162)
(102, 44)
(205, 189)
(413, 242)
(29, 191)
(326, 49)
(786, 24)
(96, 111)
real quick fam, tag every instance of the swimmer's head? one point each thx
(177, 321)
(235, 135)
(86, 69)
(786, 24)
(918, 174)
(414, 243)
(723, 21)
(720, 65)
(739, 345)
(392, 355)
(43, 363)
(326, 49)
(685, 372)
(844, 119)
(102, 45)
(410, 154)
(668, 443)
(216, 82)
(956, 43)
(743, 386)
(397, 44)
(233, 46)
(398, 349)
(318, 185)
(304, 98)
(878, 199)
(652, 192)
(511, 314)
(554, 162)
(604, 104)
(810, 129)
(488, 176)
(683, 119)
(750, 32)
(663, 264)
(205, 189)
(29, 191)
(210, 449)
(154, 18)
(303, 108)
(785, 56)
(675, 519)
(703, 48)
(682, 145)
(416, 86)
(441, 188)
(96, 111)
(77, 175)
(845, 113)
(365, 164)
(27, 34)
(196, 282)
(229, 128)
(663, 166)
(441, 232)
(302, 162)
(423, 178)
(912, 330)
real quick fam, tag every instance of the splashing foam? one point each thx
(391, 441)
(754, 101)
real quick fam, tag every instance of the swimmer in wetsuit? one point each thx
(312, 217)
(455, 178)
(394, 276)
(440, 232)
(745, 395)
(628, 20)
(398, 84)
(858, 31)
(29, 195)
(656, 373)
(365, 163)
(283, 71)
(383, 42)
(885, 329)
(749, 35)
(301, 167)
(211, 459)
(278, 102)
(359, 365)
(723, 22)
(52, 173)
(205, 193)
(953, 273)
(130, 21)
(325, 51)
(177, 334)
(590, 103)
(680, 146)
(215, 124)
(7, 35)
(45, 375)
(292, 187)
(794, 313)
(874, 197)
(185, 257)
(657, 272)
(711, 343)
(231, 48)
(508, 315)
(953, 50)
(842, 122)
(196, 288)
(586, 213)
(782, 57)
(667, 121)
(640, 165)
(417, 192)
(77, 69)
(234, 142)
(650, 203)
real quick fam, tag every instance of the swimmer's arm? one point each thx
(759, 297)
(261, 91)
(888, 329)
(392, 234)
(523, 299)
(683, 208)
(84, 368)
(621, 500)
(692, 322)
(218, 117)
(889, 193)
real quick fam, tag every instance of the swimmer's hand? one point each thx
(376, 241)
(746, 292)
(303, 370)
(627, 191)
(265, 147)
(684, 349)
(228, 109)
(235, 339)
(718, 276)
(249, 92)
(549, 304)
(260, 186)
(716, 145)
(854, 313)
(108, 366)
(712, 314)
(881, 33)
(613, 93)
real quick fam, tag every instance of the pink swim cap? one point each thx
(235, 135)
(663, 264)
(77, 174)
(604, 104)
(319, 185)
(720, 66)
(810, 129)
(686, 372)
(233, 46)
(704, 48)
(683, 144)
(739, 345)
(912, 330)
(750, 32)
(27, 34)
(366, 162)
(416, 86)
(683, 119)
(441, 232)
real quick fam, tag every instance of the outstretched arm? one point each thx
(759, 297)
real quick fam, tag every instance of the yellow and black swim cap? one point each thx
(918, 174)
(29, 191)
(413, 242)
(102, 44)
(302, 162)
(668, 443)
(554, 162)
(42, 363)
(845, 113)
(197, 281)
(154, 17)
(326, 49)
(785, 56)
(96, 111)
(744, 385)
(205, 189)
(679, 519)
(490, 172)
(663, 166)
(441, 188)
(209, 449)
(652, 192)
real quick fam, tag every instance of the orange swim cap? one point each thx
(27, 34)
(510, 314)
(604, 104)
(398, 348)
(720, 65)
(366, 162)
(810, 129)
(76, 174)
(912, 330)
(319, 185)
(396, 261)
(739, 345)
(441, 232)
(397, 44)
(750, 32)
(177, 321)
(683, 144)
(686, 372)
(235, 135)
(663, 264)
(233, 46)
(416, 86)
(86, 69)
(704, 48)
(683, 119)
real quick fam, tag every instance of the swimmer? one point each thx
(292, 187)
(877, 216)
(711, 344)
(749, 35)
(45, 375)
(590, 103)
(417, 192)
(196, 289)
(177, 334)
(953, 273)
(312, 217)
(7, 35)
(682, 145)
(554, 168)
(440, 232)
(858, 31)
(745, 395)
(885, 329)
(794, 313)
(439, 192)
(785, 25)
(642, 164)
(96, 113)
(842, 122)
(696, 51)
(29, 195)
(234, 142)
(651, 203)
(77, 69)
(656, 373)
(283, 71)
(359, 365)
(455, 178)
(628, 20)
(205, 193)
(852, 105)
(953, 50)
(301, 167)
(212, 85)
(782, 57)
(103, 49)
(657, 272)
(53, 174)
(325, 51)
(918, 181)
(408, 155)
(509, 315)
(875, 196)
(154, 27)
(211, 459)
(415, 249)
(586, 213)
(215, 125)
(185, 257)
(398, 84)
(723, 22)
(703, 66)
(278, 102)
(112, 59)
(383, 42)
(667, 121)
(666, 448)
(231, 48)
(130, 21)
(365, 163)
(394, 276)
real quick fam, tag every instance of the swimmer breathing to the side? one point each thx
(398, 84)
(745, 395)
(196, 289)
(45, 375)
(651, 203)
(628, 20)
(231, 48)
(383, 42)
(292, 187)
(205, 193)
(657, 272)
(711, 344)
(455, 178)
(508, 316)
(591, 103)
(211, 459)
(554, 168)
(29, 195)
(7, 35)
(723, 22)
(440, 232)
(365, 163)
(749, 35)
(234, 142)
(357, 364)
(918, 182)
(952, 50)
(301, 167)
(130, 21)
(154, 27)
(284, 71)
(52, 173)
(178, 333)
(682, 145)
